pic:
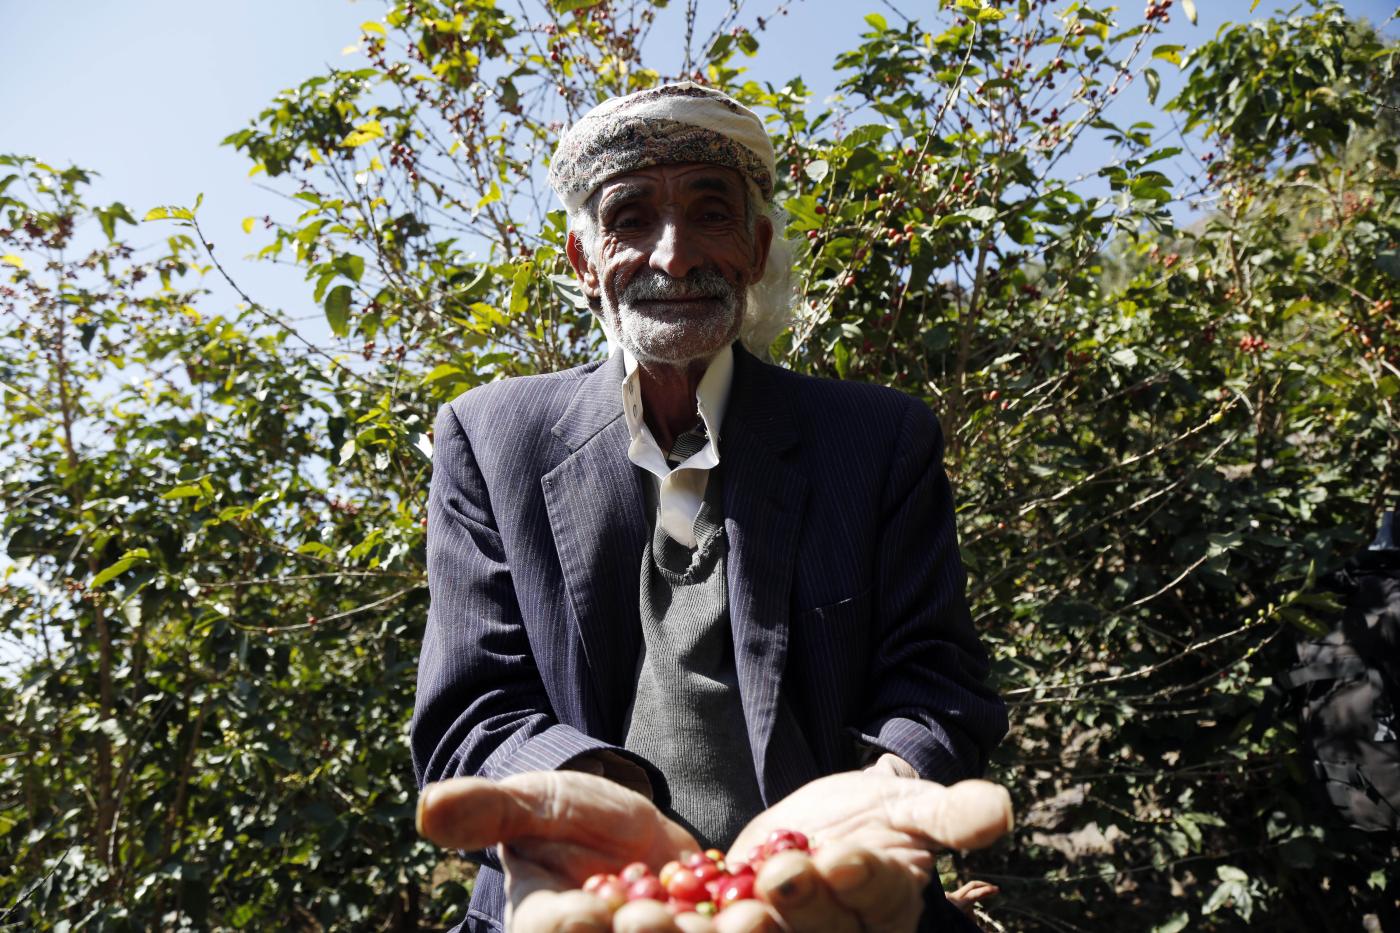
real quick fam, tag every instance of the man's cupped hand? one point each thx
(875, 835)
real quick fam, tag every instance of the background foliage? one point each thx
(1161, 437)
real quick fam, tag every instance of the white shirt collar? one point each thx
(680, 489)
(711, 397)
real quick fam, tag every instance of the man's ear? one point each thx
(578, 258)
(762, 242)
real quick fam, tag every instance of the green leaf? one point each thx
(183, 491)
(864, 134)
(108, 218)
(492, 195)
(1154, 84)
(568, 6)
(248, 224)
(372, 26)
(1231, 873)
(982, 214)
(441, 372)
(1178, 922)
(364, 133)
(520, 289)
(169, 212)
(353, 266)
(338, 310)
(877, 22)
(1170, 53)
(122, 565)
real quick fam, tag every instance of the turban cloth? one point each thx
(664, 125)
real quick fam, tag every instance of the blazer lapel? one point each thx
(764, 499)
(595, 503)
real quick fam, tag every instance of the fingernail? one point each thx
(794, 887)
(422, 805)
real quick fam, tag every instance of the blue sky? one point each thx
(142, 91)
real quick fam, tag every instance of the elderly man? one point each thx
(683, 596)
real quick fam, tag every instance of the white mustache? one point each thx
(651, 285)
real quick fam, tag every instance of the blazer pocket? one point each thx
(839, 623)
(829, 665)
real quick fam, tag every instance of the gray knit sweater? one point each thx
(686, 716)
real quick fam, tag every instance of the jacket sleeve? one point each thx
(929, 702)
(481, 707)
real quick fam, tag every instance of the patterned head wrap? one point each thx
(663, 125)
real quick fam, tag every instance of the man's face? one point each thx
(674, 256)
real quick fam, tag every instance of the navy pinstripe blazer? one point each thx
(846, 589)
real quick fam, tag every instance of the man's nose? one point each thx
(674, 253)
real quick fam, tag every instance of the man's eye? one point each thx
(626, 221)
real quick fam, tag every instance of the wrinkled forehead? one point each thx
(662, 183)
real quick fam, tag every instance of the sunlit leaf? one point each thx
(364, 133)
(337, 306)
(119, 567)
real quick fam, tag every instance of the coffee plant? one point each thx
(1164, 426)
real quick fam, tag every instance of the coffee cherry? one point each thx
(735, 888)
(685, 885)
(780, 840)
(612, 892)
(702, 882)
(648, 889)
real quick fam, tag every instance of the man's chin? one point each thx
(676, 349)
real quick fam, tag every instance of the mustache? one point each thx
(651, 285)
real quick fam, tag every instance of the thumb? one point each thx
(966, 815)
(474, 813)
(557, 806)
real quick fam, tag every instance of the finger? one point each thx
(791, 885)
(568, 806)
(644, 916)
(535, 903)
(967, 896)
(559, 912)
(471, 812)
(972, 892)
(883, 891)
(692, 922)
(746, 917)
(965, 815)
